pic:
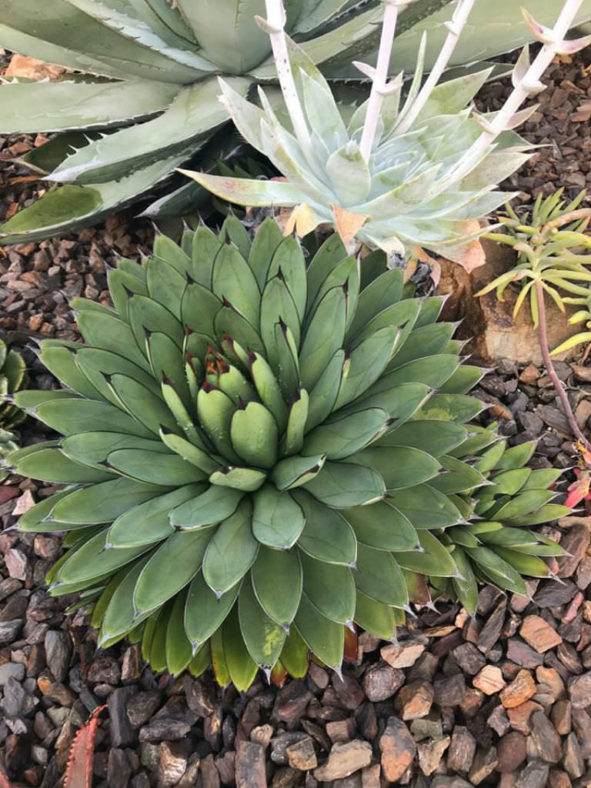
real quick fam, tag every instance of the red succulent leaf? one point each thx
(81, 756)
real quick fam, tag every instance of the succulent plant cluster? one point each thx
(148, 99)
(12, 377)
(262, 450)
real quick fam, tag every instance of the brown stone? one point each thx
(381, 681)
(461, 750)
(499, 721)
(173, 763)
(489, 680)
(534, 775)
(415, 700)
(544, 738)
(344, 759)
(522, 688)
(340, 730)
(370, 776)
(539, 634)
(558, 779)
(472, 702)
(550, 685)
(575, 542)
(469, 658)
(484, 764)
(250, 765)
(497, 334)
(561, 716)
(402, 655)
(512, 752)
(579, 689)
(430, 754)
(450, 690)
(519, 716)
(397, 749)
(301, 754)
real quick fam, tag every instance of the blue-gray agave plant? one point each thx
(147, 100)
(398, 174)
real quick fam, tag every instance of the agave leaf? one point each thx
(102, 502)
(254, 435)
(247, 479)
(426, 507)
(432, 558)
(277, 582)
(295, 655)
(277, 305)
(180, 129)
(454, 407)
(52, 465)
(80, 105)
(324, 336)
(92, 560)
(156, 585)
(296, 471)
(211, 507)
(366, 364)
(382, 526)
(92, 448)
(149, 522)
(241, 668)
(268, 388)
(119, 613)
(460, 477)
(103, 332)
(70, 207)
(379, 577)
(277, 520)
(401, 466)
(205, 611)
(433, 371)
(375, 617)
(324, 637)
(379, 294)
(327, 535)
(142, 404)
(231, 551)
(342, 485)
(341, 437)
(99, 365)
(465, 585)
(330, 588)
(264, 638)
(234, 281)
(215, 410)
(266, 241)
(61, 362)
(435, 437)
(178, 647)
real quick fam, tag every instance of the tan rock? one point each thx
(489, 680)
(415, 700)
(344, 759)
(519, 716)
(402, 655)
(522, 688)
(539, 634)
(496, 334)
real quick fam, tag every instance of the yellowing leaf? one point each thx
(347, 223)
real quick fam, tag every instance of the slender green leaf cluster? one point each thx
(148, 100)
(260, 451)
(551, 242)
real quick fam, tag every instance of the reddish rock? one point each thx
(519, 716)
(250, 765)
(539, 634)
(461, 750)
(521, 689)
(397, 748)
(415, 700)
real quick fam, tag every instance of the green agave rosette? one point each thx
(261, 451)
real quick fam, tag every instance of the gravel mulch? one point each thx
(501, 699)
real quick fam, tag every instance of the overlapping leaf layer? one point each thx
(261, 450)
(147, 97)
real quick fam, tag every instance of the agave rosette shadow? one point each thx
(261, 451)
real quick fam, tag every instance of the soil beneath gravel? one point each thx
(502, 698)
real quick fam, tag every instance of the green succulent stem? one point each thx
(549, 364)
